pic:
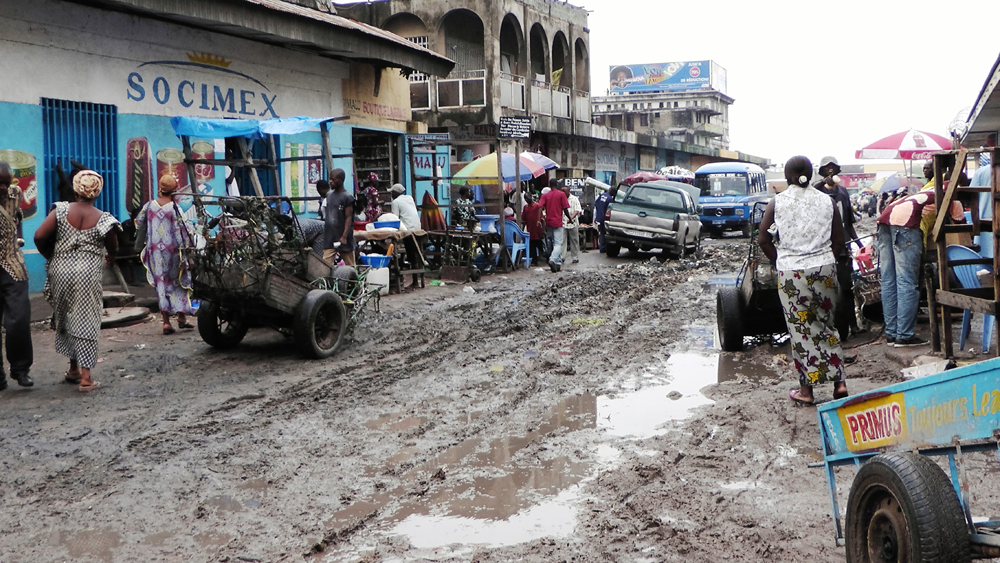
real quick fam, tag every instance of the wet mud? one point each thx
(582, 416)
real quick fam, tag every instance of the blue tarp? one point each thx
(222, 128)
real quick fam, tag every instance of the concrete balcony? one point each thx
(511, 91)
(710, 129)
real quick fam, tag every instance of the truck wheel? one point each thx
(612, 249)
(747, 229)
(220, 329)
(697, 246)
(729, 317)
(346, 280)
(320, 324)
(902, 507)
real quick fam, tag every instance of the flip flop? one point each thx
(70, 379)
(89, 388)
(185, 325)
(794, 396)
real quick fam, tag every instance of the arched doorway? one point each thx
(513, 63)
(412, 28)
(582, 67)
(462, 40)
(562, 73)
(539, 54)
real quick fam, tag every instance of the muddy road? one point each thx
(581, 416)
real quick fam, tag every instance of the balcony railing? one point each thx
(583, 107)
(560, 101)
(470, 90)
(541, 97)
(420, 95)
(511, 91)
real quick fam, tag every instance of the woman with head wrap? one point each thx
(84, 235)
(806, 227)
(166, 232)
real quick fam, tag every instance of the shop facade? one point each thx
(103, 95)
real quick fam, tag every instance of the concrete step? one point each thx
(123, 316)
(117, 298)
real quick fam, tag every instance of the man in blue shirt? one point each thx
(600, 209)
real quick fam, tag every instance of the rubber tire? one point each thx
(747, 229)
(319, 306)
(925, 500)
(215, 335)
(475, 274)
(729, 317)
(344, 274)
(612, 249)
(696, 247)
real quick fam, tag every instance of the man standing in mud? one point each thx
(555, 206)
(15, 310)
(600, 209)
(844, 319)
(338, 232)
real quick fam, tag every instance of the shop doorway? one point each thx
(378, 153)
(88, 134)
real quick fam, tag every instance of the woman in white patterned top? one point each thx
(801, 233)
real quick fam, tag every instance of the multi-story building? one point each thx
(683, 101)
(512, 58)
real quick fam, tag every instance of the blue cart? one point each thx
(902, 506)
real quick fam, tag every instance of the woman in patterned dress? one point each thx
(165, 271)
(806, 226)
(84, 235)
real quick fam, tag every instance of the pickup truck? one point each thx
(659, 214)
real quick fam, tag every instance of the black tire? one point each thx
(345, 277)
(747, 229)
(475, 274)
(320, 324)
(220, 329)
(902, 507)
(697, 245)
(729, 317)
(612, 249)
(716, 233)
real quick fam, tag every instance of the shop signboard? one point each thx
(572, 152)
(666, 77)
(606, 157)
(514, 128)
(389, 109)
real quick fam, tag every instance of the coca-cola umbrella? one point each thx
(642, 177)
(907, 145)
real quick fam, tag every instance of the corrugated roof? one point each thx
(289, 25)
(985, 116)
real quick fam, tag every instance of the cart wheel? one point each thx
(475, 274)
(320, 324)
(612, 249)
(220, 329)
(902, 507)
(729, 317)
(346, 279)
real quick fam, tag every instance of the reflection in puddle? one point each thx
(494, 494)
(733, 366)
(643, 413)
(553, 517)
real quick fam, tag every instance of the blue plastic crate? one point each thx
(376, 261)
(387, 224)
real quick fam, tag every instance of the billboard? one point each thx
(666, 77)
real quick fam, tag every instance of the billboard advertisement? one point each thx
(662, 77)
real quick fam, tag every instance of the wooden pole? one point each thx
(275, 172)
(995, 192)
(932, 308)
(940, 163)
(327, 155)
(247, 157)
(517, 182)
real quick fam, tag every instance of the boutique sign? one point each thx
(150, 84)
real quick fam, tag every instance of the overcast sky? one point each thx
(816, 77)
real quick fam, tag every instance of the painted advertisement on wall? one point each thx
(300, 176)
(382, 103)
(661, 77)
(572, 152)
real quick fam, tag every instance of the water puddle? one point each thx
(520, 488)
(98, 544)
(715, 282)
(734, 366)
(645, 412)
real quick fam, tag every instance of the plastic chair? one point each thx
(510, 229)
(968, 279)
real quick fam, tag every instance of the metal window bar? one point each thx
(86, 133)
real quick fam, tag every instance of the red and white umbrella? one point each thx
(908, 145)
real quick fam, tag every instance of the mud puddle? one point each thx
(518, 489)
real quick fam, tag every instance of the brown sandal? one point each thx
(167, 329)
(88, 388)
(71, 379)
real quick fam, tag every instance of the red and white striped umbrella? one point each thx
(908, 145)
